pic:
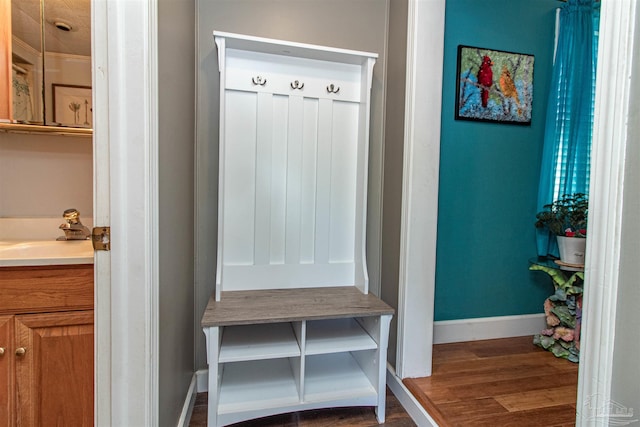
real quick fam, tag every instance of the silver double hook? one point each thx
(333, 88)
(259, 81)
(297, 85)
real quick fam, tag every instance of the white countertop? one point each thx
(14, 253)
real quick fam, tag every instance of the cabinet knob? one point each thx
(20, 351)
(1, 351)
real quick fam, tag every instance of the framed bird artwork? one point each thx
(494, 86)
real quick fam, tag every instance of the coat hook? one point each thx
(297, 85)
(259, 80)
(333, 88)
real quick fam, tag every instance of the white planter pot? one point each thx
(572, 249)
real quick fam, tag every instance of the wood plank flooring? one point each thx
(338, 417)
(504, 382)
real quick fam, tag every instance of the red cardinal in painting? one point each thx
(485, 79)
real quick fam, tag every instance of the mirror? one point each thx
(51, 63)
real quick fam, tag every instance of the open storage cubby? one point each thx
(328, 352)
(292, 325)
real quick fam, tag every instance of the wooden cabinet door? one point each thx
(6, 370)
(54, 376)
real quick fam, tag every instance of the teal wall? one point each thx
(489, 172)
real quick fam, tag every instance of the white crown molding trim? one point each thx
(487, 328)
(615, 55)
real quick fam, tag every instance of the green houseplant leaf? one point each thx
(570, 211)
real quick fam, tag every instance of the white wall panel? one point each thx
(323, 203)
(240, 173)
(308, 180)
(280, 119)
(344, 162)
(264, 142)
(294, 176)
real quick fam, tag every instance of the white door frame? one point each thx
(124, 47)
(101, 216)
(425, 58)
(615, 55)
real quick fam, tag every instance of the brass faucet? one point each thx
(72, 227)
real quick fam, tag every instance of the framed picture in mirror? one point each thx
(72, 105)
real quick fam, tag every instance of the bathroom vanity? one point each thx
(46, 336)
(292, 325)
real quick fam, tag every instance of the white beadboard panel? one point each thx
(344, 152)
(269, 161)
(323, 201)
(287, 276)
(308, 180)
(280, 119)
(264, 143)
(294, 177)
(239, 184)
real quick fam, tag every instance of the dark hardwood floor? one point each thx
(493, 383)
(503, 382)
(338, 417)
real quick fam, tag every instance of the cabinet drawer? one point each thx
(47, 288)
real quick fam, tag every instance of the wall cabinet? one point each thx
(292, 325)
(46, 365)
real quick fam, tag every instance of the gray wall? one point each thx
(625, 388)
(350, 24)
(176, 93)
(393, 161)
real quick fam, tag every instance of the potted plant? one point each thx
(566, 218)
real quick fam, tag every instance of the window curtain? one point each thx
(569, 121)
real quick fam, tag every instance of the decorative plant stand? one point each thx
(563, 310)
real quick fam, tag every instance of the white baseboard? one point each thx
(187, 408)
(486, 328)
(419, 415)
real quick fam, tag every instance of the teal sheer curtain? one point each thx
(569, 121)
